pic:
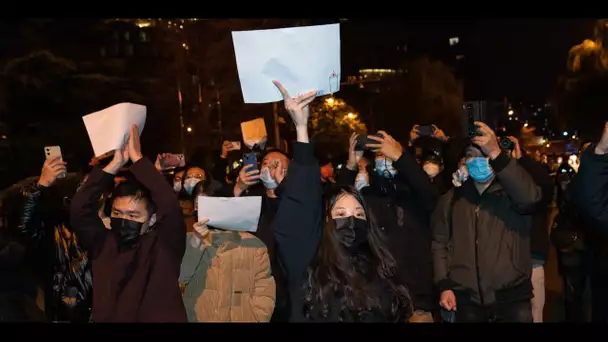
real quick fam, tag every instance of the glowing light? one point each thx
(526, 124)
(376, 71)
(189, 129)
(511, 112)
(350, 115)
(565, 133)
(574, 137)
(548, 145)
(4, 136)
(330, 101)
(181, 27)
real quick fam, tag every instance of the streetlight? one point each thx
(511, 112)
(189, 129)
(526, 124)
(565, 133)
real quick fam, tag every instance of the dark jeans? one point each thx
(575, 283)
(515, 312)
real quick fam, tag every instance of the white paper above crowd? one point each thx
(231, 213)
(301, 58)
(109, 129)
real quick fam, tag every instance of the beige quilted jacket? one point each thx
(227, 278)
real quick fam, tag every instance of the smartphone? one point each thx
(472, 127)
(363, 140)
(52, 152)
(426, 130)
(171, 161)
(250, 159)
(448, 316)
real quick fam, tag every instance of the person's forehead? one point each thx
(195, 170)
(129, 203)
(473, 152)
(347, 201)
(274, 156)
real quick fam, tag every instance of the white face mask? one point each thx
(267, 180)
(361, 181)
(190, 183)
(384, 168)
(177, 186)
(431, 169)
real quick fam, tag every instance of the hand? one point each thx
(414, 134)
(351, 164)
(439, 134)
(159, 157)
(277, 171)
(247, 177)
(201, 231)
(134, 145)
(388, 146)
(487, 141)
(227, 146)
(51, 169)
(448, 300)
(297, 107)
(602, 146)
(120, 159)
(517, 150)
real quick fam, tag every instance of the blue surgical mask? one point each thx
(479, 169)
(361, 181)
(384, 168)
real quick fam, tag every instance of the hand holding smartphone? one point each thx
(171, 161)
(363, 140)
(52, 152)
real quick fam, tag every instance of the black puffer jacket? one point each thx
(43, 228)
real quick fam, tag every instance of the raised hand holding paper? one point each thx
(109, 129)
(231, 213)
(302, 58)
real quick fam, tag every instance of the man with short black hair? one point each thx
(136, 263)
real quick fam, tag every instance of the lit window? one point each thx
(454, 41)
(143, 36)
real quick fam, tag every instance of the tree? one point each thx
(333, 121)
(426, 92)
(580, 93)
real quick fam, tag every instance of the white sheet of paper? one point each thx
(109, 129)
(231, 213)
(301, 58)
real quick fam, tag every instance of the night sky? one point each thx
(519, 58)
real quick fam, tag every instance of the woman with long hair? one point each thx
(350, 277)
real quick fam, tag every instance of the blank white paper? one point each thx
(231, 213)
(109, 129)
(301, 58)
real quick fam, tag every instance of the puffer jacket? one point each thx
(43, 228)
(227, 278)
(481, 243)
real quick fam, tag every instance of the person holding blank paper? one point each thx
(225, 275)
(337, 265)
(136, 263)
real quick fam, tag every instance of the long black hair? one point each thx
(335, 275)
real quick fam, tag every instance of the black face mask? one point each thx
(127, 232)
(351, 232)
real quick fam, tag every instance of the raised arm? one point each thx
(84, 210)
(409, 170)
(517, 182)
(298, 223)
(169, 220)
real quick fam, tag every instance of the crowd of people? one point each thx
(441, 229)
